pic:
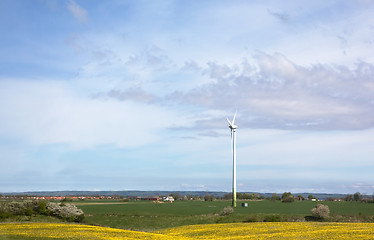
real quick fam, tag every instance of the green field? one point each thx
(149, 216)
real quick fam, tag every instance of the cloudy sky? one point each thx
(134, 95)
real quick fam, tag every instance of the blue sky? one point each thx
(134, 95)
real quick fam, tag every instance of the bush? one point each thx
(321, 211)
(26, 208)
(255, 218)
(4, 215)
(288, 200)
(29, 212)
(67, 212)
(42, 208)
(287, 197)
(209, 197)
(275, 197)
(226, 211)
(3, 211)
(272, 218)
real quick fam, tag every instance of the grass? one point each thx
(34, 218)
(149, 216)
(303, 208)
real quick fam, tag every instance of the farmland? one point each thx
(112, 219)
(149, 216)
(284, 230)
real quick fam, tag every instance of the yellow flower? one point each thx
(277, 230)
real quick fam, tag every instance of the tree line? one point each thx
(287, 197)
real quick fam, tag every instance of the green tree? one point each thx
(42, 207)
(256, 196)
(247, 196)
(177, 196)
(348, 198)
(357, 197)
(227, 196)
(209, 197)
(275, 197)
(287, 197)
(239, 195)
(29, 212)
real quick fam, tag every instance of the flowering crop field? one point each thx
(70, 231)
(275, 230)
(278, 230)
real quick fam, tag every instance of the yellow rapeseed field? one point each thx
(275, 230)
(278, 230)
(71, 231)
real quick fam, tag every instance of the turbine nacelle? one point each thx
(232, 125)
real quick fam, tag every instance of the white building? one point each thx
(168, 199)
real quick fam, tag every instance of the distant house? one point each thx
(168, 199)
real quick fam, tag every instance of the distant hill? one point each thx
(119, 193)
(322, 196)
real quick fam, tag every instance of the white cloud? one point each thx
(78, 12)
(133, 93)
(274, 92)
(283, 17)
(47, 112)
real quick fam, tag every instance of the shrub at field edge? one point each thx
(30, 208)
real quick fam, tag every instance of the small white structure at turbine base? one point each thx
(233, 127)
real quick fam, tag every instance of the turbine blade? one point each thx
(233, 120)
(229, 121)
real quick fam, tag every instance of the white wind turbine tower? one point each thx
(233, 127)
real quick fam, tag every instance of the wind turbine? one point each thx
(233, 127)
